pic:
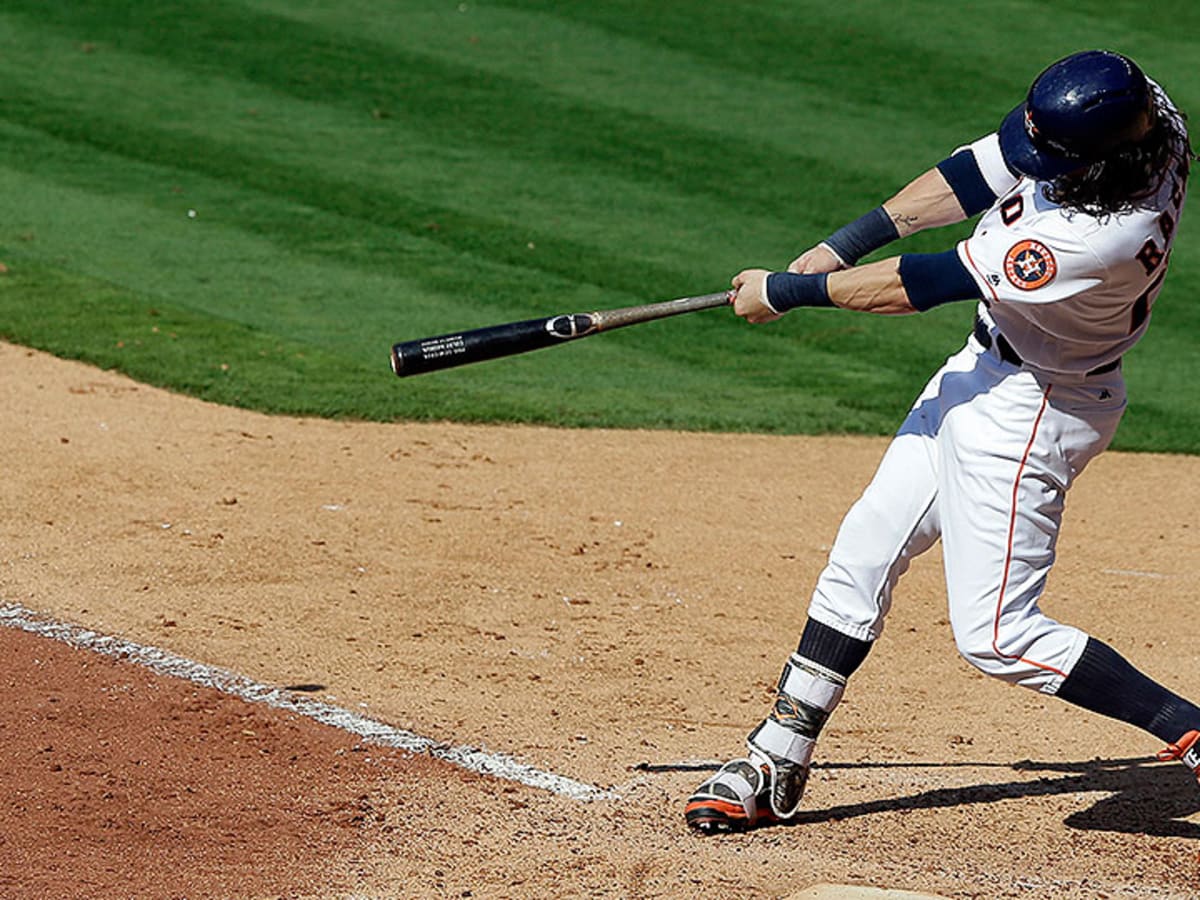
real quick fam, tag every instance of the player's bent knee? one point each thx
(984, 657)
(1012, 668)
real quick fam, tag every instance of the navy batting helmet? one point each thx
(1078, 111)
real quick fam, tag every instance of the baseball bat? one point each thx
(446, 351)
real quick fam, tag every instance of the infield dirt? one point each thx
(609, 606)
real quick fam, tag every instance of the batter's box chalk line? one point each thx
(473, 759)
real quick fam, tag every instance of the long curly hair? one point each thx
(1130, 177)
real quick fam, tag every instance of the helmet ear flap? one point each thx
(1140, 125)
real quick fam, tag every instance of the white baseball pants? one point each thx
(983, 461)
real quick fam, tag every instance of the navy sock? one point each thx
(1105, 683)
(830, 648)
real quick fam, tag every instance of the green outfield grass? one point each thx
(362, 173)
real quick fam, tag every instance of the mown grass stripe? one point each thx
(368, 173)
(519, 118)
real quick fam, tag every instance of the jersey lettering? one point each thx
(1166, 225)
(1181, 174)
(1150, 256)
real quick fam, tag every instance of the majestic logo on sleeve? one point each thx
(1029, 265)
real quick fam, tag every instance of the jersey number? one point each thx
(1011, 209)
(1141, 306)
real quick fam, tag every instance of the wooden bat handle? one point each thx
(631, 315)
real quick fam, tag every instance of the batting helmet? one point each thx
(1078, 111)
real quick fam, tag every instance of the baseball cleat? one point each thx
(747, 793)
(734, 799)
(1186, 750)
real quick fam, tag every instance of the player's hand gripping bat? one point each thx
(448, 350)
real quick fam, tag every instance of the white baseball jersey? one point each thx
(1070, 292)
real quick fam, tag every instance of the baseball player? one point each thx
(1081, 191)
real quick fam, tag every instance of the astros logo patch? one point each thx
(1029, 265)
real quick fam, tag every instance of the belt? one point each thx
(1009, 355)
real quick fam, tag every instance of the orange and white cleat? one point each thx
(1186, 750)
(747, 793)
(734, 799)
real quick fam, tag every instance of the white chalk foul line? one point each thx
(497, 765)
(1133, 573)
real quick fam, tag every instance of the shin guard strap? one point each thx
(811, 684)
(778, 740)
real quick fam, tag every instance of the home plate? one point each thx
(855, 892)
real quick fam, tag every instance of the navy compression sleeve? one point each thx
(869, 232)
(962, 173)
(931, 279)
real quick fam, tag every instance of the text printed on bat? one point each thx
(444, 346)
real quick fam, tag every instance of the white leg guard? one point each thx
(783, 744)
(767, 785)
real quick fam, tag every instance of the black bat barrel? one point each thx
(449, 350)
